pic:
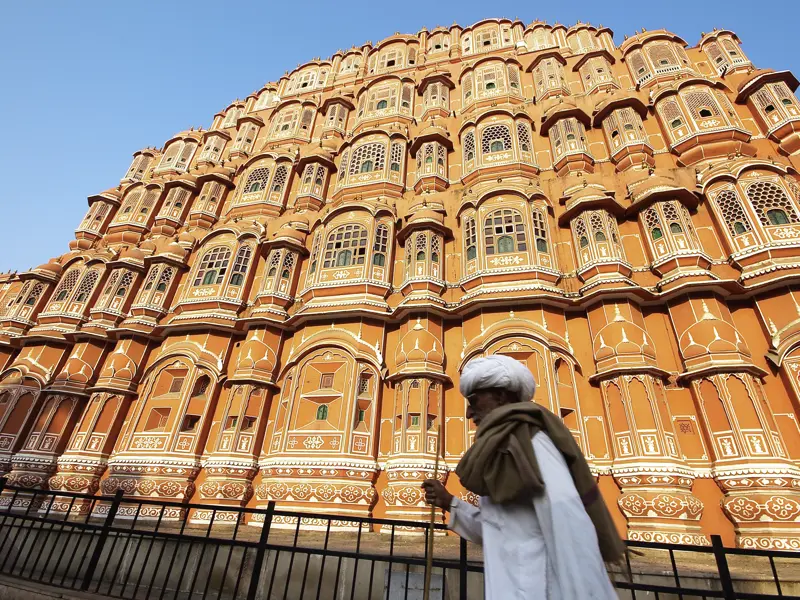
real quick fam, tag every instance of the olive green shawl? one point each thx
(501, 464)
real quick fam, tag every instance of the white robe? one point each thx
(547, 550)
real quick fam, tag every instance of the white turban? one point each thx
(498, 371)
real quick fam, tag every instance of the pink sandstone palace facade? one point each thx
(278, 307)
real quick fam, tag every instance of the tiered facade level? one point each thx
(278, 307)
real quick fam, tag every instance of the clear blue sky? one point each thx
(87, 83)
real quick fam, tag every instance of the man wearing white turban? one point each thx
(544, 527)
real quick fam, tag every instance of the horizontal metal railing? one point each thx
(133, 547)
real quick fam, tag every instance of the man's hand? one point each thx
(436, 494)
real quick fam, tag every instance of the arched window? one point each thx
(124, 284)
(86, 286)
(380, 246)
(733, 214)
(701, 103)
(322, 412)
(368, 157)
(396, 157)
(524, 136)
(288, 264)
(163, 281)
(771, 203)
(495, 138)
(540, 229)
(504, 232)
(34, 294)
(421, 246)
(213, 266)
(382, 104)
(312, 267)
(257, 180)
(67, 283)
(469, 147)
(470, 238)
(346, 246)
(239, 270)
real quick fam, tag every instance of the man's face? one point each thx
(482, 402)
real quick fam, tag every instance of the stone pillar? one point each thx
(33, 465)
(750, 464)
(656, 483)
(412, 424)
(235, 441)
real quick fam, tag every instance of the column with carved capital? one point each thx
(656, 483)
(750, 463)
(411, 423)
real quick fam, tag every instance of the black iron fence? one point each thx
(137, 548)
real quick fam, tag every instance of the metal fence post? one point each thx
(260, 552)
(462, 571)
(101, 541)
(722, 567)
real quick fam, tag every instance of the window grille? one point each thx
(637, 65)
(716, 56)
(698, 101)
(343, 166)
(767, 198)
(257, 180)
(470, 238)
(381, 245)
(671, 113)
(408, 256)
(34, 294)
(176, 384)
(363, 386)
(436, 250)
(164, 280)
(111, 285)
(555, 141)
(653, 223)
(307, 120)
(86, 286)
(540, 229)
(469, 147)
(421, 247)
(312, 265)
(494, 134)
(661, 55)
(374, 152)
(286, 122)
(281, 174)
(213, 266)
(68, 282)
(733, 213)
(240, 265)
(396, 157)
(274, 262)
(288, 264)
(503, 232)
(524, 136)
(186, 155)
(124, 284)
(209, 196)
(170, 155)
(346, 246)
(513, 77)
(405, 99)
(466, 89)
(151, 277)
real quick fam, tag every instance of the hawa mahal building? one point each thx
(278, 307)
